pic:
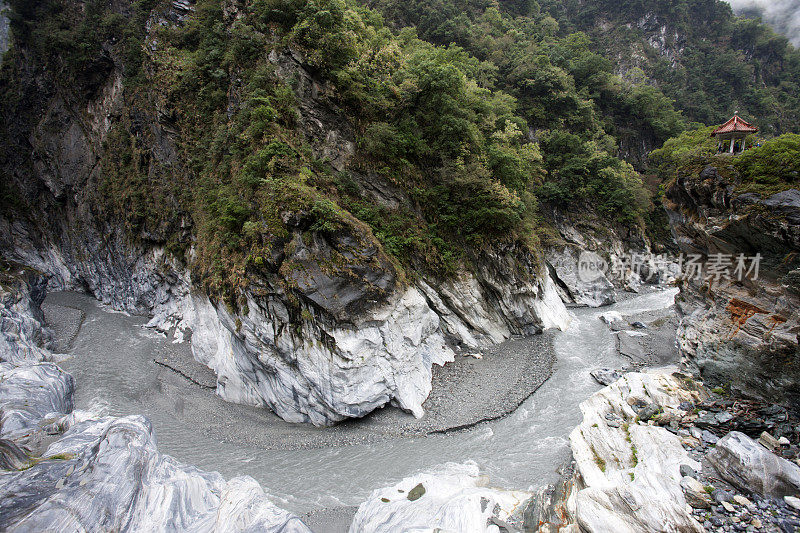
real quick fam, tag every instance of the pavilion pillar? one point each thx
(733, 143)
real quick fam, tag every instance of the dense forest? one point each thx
(479, 111)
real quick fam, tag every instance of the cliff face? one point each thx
(742, 334)
(321, 327)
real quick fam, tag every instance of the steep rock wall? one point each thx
(739, 333)
(324, 328)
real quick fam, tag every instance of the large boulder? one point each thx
(452, 497)
(751, 467)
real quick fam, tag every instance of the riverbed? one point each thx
(114, 360)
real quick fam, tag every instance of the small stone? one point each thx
(685, 406)
(792, 502)
(741, 500)
(723, 417)
(756, 523)
(717, 521)
(696, 495)
(691, 442)
(416, 493)
(783, 441)
(639, 325)
(696, 432)
(687, 470)
(768, 441)
(720, 495)
(728, 507)
(648, 411)
(709, 437)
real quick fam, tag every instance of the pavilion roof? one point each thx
(735, 124)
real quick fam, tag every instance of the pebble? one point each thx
(741, 500)
(709, 437)
(792, 502)
(728, 507)
(783, 441)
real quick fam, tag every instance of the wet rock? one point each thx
(749, 466)
(606, 376)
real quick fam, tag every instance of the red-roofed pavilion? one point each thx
(735, 131)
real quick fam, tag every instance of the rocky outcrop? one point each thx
(751, 467)
(106, 474)
(66, 470)
(592, 259)
(738, 332)
(31, 397)
(22, 290)
(453, 497)
(322, 328)
(628, 472)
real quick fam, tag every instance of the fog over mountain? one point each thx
(783, 15)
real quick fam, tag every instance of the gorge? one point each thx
(336, 254)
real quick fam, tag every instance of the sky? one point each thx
(783, 15)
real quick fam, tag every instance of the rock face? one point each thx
(581, 289)
(452, 497)
(742, 333)
(322, 328)
(629, 477)
(106, 474)
(30, 394)
(101, 474)
(751, 467)
(22, 291)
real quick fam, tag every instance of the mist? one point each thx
(782, 15)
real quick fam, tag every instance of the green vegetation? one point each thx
(767, 168)
(474, 156)
(476, 112)
(599, 461)
(771, 167)
(707, 61)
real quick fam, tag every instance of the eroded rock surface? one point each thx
(453, 497)
(64, 470)
(741, 332)
(629, 477)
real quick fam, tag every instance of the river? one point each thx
(112, 361)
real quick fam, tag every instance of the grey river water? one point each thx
(112, 361)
